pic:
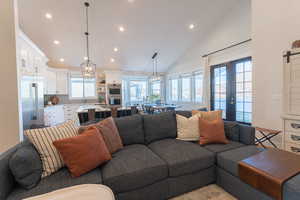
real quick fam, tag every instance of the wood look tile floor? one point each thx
(211, 192)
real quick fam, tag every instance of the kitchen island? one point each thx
(57, 114)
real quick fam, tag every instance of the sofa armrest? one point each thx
(7, 181)
(247, 134)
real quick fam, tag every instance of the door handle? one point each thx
(295, 137)
(295, 126)
(295, 150)
(232, 101)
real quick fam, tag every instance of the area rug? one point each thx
(211, 192)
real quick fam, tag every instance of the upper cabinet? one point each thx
(31, 60)
(57, 82)
(62, 82)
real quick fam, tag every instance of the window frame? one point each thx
(189, 76)
(83, 97)
(198, 73)
(160, 88)
(192, 88)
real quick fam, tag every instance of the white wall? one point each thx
(9, 117)
(275, 25)
(232, 28)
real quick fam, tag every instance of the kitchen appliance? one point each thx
(32, 98)
(115, 100)
(114, 94)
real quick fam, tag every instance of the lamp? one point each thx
(155, 75)
(88, 68)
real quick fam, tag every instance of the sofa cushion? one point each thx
(135, 166)
(291, 189)
(184, 113)
(131, 129)
(218, 148)
(160, 126)
(26, 165)
(58, 180)
(232, 130)
(183, 157)
(228, 160)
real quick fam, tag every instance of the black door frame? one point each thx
(230, 87)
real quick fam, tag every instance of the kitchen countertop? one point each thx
(83, 108)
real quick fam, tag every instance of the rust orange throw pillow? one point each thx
(212, 132)
(110, 134)
(84, 152)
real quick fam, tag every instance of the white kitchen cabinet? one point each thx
(50, 77)
(54, 115)
(62, 82)
(57, 82)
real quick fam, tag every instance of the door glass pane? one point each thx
(244, 91)
(220, 81)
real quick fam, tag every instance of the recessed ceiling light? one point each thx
(191, 26)
(116, 49)
(121, 29)
(62, 60)
(48, 16)
(56, 42)
(112, 60)
(85, 58)
(130, 1)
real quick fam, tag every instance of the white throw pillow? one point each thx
(188, 128)
(43, 140)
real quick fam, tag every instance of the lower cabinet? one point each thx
(54, 115)
(291, 137)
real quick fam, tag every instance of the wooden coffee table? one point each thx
(269, 170)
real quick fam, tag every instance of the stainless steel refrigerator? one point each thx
(32, 95)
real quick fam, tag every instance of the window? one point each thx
(186, 89)
(244, 91)
(155, 88)
(174, 90)
(76, 88)
(138, 91)
(198, 78)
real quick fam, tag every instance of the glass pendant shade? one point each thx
(88, 69)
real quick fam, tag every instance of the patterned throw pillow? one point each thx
(188, 128)
(210, 116)
(43, 140)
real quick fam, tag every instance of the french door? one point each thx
(231, 90)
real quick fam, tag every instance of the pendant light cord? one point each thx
(87, 31)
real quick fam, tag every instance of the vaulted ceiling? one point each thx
(150, 25)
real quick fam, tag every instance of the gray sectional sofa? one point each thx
(153, 165)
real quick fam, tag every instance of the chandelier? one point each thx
(155, 75)
(88, 68)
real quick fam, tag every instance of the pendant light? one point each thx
(88, 68)
(155, 75)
